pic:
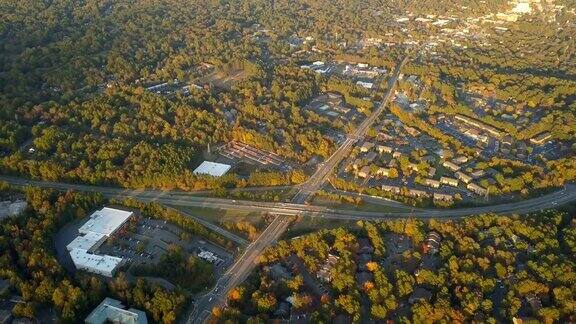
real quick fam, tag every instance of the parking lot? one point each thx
(237, 151)
(144, 243)
(151, 239)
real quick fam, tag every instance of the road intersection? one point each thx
(298, 206)
(244, 265)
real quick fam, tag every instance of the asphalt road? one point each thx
(231, 236)
(298, 206)
(246, 263)
(548, 201)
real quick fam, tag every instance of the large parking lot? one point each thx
(144, 243)
(151, 239)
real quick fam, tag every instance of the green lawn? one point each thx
(320, 201)
(222, 215)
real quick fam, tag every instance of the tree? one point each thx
(404, 283)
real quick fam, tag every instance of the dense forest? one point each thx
(72, 82)
(488, 268)
(73, 79)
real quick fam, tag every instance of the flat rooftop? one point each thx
(97, 229)
(212, 168)
(105, 221)
(85, 242)
(102, 263)
(112, 310)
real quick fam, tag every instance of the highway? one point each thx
(551, 200)
(231, 236)
(244, 264)
(247, 261)
(284, 212)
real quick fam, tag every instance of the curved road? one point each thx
(247, 261)
(548, 201)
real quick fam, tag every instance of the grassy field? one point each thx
(223, 79)
(322, 201)
(229, 220)
(222, 215)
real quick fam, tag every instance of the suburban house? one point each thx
(443, 197)
(449, 181)
(477, 189)
(432, 183)
(451, 166)
(463, 176)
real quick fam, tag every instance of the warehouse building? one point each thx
(101, 225)
(212, 168)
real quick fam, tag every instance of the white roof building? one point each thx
(112, 311)
(93, 233)
(104, 265)
(367, 85)
(212, 168)
(85, 242)
(105, 221)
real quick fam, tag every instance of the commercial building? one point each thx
(112, 311)
(101, 225)
(212, 168)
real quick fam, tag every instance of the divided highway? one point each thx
(548, 201)
(244, 265)
(239, 271)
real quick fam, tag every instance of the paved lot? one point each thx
(62, 238)
(148, 241)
